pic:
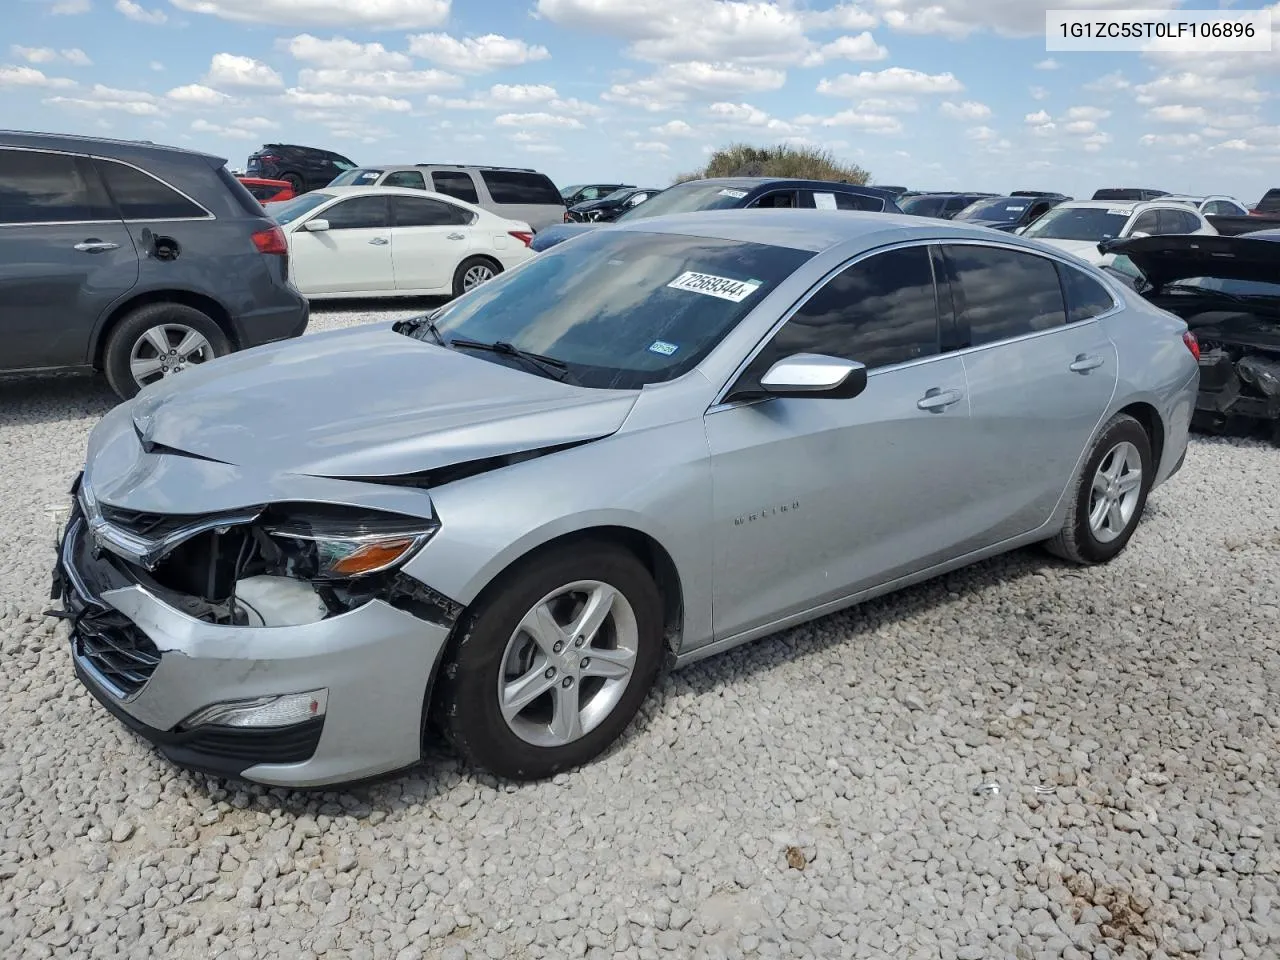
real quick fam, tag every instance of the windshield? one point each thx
(291, 210)
(621, 308)
(618, 195)
(360, 176)
(922, 206)
(1001, 210)
(569, 191)
(1079, 223)
(687, 198)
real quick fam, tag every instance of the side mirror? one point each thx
(316, 226)
(1138, 234)
(816, 376)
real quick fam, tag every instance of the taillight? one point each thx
(522, 236)
(1192, 343)
(566, 217)
(271, 240)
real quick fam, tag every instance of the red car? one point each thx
(268, 191)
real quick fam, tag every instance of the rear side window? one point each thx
(1003, 293)
(879, 311)
(412, 212)
(1086, 297)
(248, 201)
(49, 188)
(141, 196)
(456, 184)
(778, 200)
(405, 178)
(854, 201)
(511, 186)
(358, 213)
(1270, 202)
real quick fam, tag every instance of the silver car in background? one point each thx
(498, 521)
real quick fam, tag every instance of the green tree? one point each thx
(802, 162)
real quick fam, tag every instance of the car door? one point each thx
(1038, 384)
(65, 258)
(429, 238)
(816, 499)
(352, 256)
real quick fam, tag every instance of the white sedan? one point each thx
(1078, 226)
(394, 242)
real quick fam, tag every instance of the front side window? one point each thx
(880, 311)
(1079, 223)
(49, 188)
(1148, 223)
(1086, 297)
(1001, 293)
(142, 197)
(412, 212)
(621, 308)
(512, 186)
(455, 184)
(778, 200)
(405, 178)
(358, 213)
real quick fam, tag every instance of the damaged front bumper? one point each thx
(330, 701)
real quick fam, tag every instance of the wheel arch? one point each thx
(205, 304)
(1149, 417)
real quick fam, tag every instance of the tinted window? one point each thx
(1003, 293)
(405, 178)
(854, 201)
(1148, 222)
(1085, 296)
(922, 206)
(48, 187)
(999, 210)
(458, 185)
(879, 311)
(143, 197)
(1270, 202)
(412, 212)
(357, 213)
(1190, 222)
(777, 200)
(247, 201)
(509, 186)
(622, 308)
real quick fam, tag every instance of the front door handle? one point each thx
(936, 399)
(457, 236)
(1084, 363)
(96, 246)
(379, 241)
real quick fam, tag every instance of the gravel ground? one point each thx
(813, 794)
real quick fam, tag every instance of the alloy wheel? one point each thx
(568, 663)
(476, 275)
(1117, 487)
(165, 350)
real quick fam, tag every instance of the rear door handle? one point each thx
(379, 241)
(96, 246)
(457, 236)
(936, 399)
(1084, 363)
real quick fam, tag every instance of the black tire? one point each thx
(466, 705)
(459, 275)
(295, 183)
(1076, 540)
(132, 328)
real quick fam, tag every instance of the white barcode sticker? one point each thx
(726, 288)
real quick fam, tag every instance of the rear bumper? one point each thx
(274, 323)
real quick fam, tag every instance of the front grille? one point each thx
(115, 649)
(153, 526)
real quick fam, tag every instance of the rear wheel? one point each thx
(157, 341)
(553, 667)
(472, 272)
(1109, 494)
(294, 181)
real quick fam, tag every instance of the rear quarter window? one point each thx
(248, 202)
(140, 196)
(1086, 297)
(510, 186)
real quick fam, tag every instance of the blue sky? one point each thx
(933, 94)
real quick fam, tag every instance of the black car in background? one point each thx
(728, 193)
(134, 259)
(1008, 213)
(577, 193)
(1128, 193)
(303, 168)
(943, 206)
(609, 208)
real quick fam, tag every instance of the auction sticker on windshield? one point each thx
(726, 288)
(736, 194)
(662, 347)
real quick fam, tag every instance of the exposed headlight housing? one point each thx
(324, 543)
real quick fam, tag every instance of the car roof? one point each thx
(388, 191)
(1131, 206)
(752, 183)
(812, 230)
(102, 146)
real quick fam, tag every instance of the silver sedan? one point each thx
(497, 522)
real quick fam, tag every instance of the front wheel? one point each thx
(552, 668)
(1109, 495)
(472, 272)
(157, 341)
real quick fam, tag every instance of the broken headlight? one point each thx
(331, 543)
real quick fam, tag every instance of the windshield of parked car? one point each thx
(618, 195)
(360, 176)
(924, 206)
(1001, 210)
(687, 198)
(570, 190)
(291, 210)
(619, 308)
(1079, 223)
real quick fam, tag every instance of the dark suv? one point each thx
(303, 168)
(134, 259)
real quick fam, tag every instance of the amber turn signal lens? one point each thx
(372, 557)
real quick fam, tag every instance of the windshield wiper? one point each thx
(413, 325)
(550, 366)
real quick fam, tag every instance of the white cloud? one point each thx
(1037, 118)
(157, 66)
(1108, 83)
(649, 146)
(1180, 87)
(888, 105)
(373, 81)
(366, 14)
(678, 82)
(1170, 139)
(475, 54)
(197, 94)
(71, 7)
(1039, 93)
(544, 148)
(230, 70)
(1094, 143)
(745, 115)
(856, 119)
(981, 134)
(1080, 126)
(77, 57)
(1087, 113)
(1242, 146)
(846, 16)
(863, 46)
(968, 110)
(341, 52)
(235, 130)
(140, 14)
(74, 56)
(1178, 113)
(318, 100)
(1048, 64)
(674, 128)
(99, 97)
(890, 80)
(543, 120)
(522, 93)
(1010, 18)
(30, 77)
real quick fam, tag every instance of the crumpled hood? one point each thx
(1167, 259)
(367, 402)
